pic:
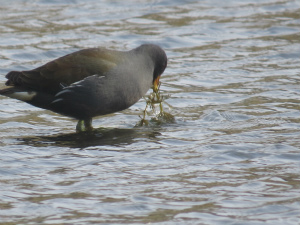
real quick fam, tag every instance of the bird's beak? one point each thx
(156, 84)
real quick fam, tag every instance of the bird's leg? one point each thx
(84, 125)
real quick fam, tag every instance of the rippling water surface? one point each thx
(231, 157)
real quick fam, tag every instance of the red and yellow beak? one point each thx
(156, 84)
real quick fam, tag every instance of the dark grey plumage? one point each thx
(90, 82)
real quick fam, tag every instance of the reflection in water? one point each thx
(98, 137)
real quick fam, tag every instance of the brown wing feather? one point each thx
(65, 70)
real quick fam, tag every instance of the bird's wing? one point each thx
(61, 72)
(79, 100)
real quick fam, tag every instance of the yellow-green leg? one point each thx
(84, 125)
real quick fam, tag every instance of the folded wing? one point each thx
(64, 71)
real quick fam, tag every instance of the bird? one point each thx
(90, 82)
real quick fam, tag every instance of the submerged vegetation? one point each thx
(153, 101)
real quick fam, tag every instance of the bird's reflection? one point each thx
(98, 137)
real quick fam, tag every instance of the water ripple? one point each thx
(232, 155)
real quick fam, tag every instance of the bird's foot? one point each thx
(84, 125)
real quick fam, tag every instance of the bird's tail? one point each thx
(18, 93)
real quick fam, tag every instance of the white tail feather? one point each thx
(23, 96)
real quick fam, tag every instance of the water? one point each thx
(231, 157)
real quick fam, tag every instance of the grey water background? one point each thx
(231, 157)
